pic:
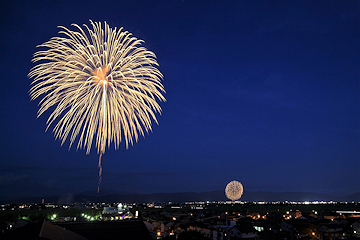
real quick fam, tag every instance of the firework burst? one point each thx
(102, 84)
(234, 190)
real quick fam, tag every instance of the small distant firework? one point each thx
(234, 190)
(102, 84)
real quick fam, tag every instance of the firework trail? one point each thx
(102, 84)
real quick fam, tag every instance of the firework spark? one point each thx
(102, 83)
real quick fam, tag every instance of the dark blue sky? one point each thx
(263, 92)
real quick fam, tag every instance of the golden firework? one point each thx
(102, 84)
(234, 190)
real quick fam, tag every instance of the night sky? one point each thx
(263, 92)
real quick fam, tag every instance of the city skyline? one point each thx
(265, 93)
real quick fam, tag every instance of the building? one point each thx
(244, 231)
(356, 229)
(117, 213)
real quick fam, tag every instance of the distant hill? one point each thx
(189, 196)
